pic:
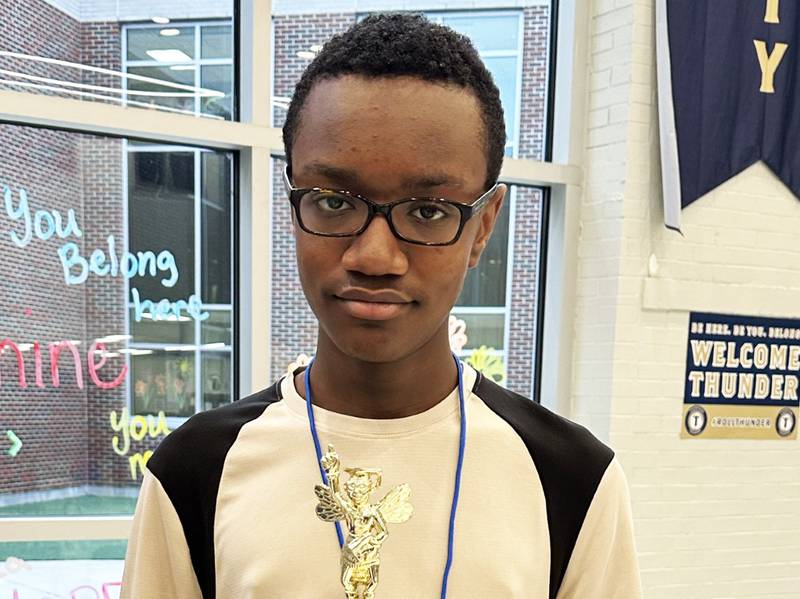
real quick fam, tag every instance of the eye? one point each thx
(428, 212)
(332, 203)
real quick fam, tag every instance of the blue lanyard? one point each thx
(462, 442)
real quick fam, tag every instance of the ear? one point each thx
(488, 217)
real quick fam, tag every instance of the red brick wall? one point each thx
(105, 299)
(36, 305)
(101, 47)
(524, 282)
(29, 27)
(535, 57)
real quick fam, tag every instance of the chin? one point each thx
(375, 352)
(375, 344)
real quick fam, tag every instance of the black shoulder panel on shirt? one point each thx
(570, 462)
(189, 463)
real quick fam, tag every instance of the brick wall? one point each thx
(535, 65)
(101, 47)
(105, 297)
(35, 305)
(528, 203)
(28, 28)
(524, 297)
(713, 518)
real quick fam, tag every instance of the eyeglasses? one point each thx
(342, 213)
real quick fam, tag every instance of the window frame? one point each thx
(198, 62)
(253, 140)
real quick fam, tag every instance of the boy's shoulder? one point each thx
(570, 463)
(197, 449)
(552, 440)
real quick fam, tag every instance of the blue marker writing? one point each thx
(44, 223)
(164, 308)
(77, 268)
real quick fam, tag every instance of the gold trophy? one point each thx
(366, 522)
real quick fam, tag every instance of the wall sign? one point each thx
(742, 377)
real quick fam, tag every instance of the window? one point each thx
(182, 365)
(483, 304)
(86, 235)
(90, 226)
(185, 69)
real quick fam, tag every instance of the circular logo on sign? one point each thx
(696, 420)
(785, 422)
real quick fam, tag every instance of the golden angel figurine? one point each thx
(366, 522)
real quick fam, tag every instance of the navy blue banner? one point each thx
(742, 360)
(729, 82)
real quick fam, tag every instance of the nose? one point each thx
(376, 252)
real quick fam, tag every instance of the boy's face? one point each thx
(377, 298)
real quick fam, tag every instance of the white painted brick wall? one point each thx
(601, 226)
(714, 519)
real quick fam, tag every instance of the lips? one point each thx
(366, 304)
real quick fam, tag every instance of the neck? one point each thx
(381, 390)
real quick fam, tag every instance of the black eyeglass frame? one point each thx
(466, 211)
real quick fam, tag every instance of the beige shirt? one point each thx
(227, 507)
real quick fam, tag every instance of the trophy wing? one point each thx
(395, 507)
(328, 509)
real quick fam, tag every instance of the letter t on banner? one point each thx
(772, 14)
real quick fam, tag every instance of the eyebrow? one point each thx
(350, 177)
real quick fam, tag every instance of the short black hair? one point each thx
(405, 44)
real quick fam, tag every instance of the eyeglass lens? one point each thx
(421, 220)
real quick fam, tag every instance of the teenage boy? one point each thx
(394, 141)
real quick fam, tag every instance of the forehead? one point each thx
(385, 128)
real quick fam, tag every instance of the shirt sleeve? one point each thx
(604, 563)
(157, 562)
